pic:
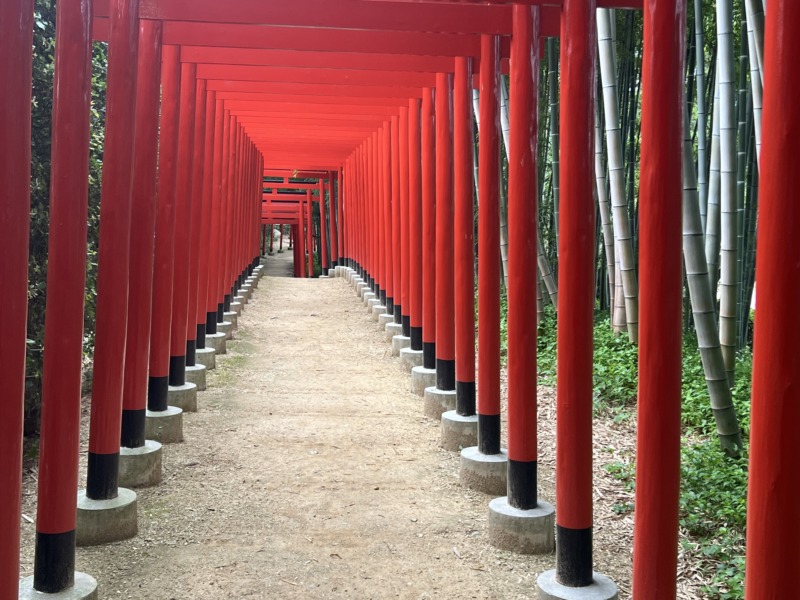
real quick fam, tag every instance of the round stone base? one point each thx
(437, 402)
(458, 431)
(183, 397)
(523, 531)
(384, 319)
(367, 297)
(246, 291)
(487, 473)
(365, 293)
(106, 521)
(241, 299)
(399, 342)
(372, 302)
(164, 426)
(206, 357)
(226, 327)
(85, 588)
(361, 288)
(236, 307)
(140, 467)
(377, 311)
(392, 329)
(216, 341)
(232, 318)
(196, 374)
(252, 280)
(410, 358)
(603, 588)
(421, 379)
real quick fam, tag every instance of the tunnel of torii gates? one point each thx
(371, 101)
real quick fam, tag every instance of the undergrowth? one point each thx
(713, 486)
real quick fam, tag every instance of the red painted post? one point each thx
(522, 189)
(183, 226)
(158, 382)
(114, 254)
(143, 227)
(445, 300)
(323, 227)
(386, 216)
(54, 562)
(464, 240)
(402, 130)
(576, 300)
(397, 300)
(212, 297)
(655, 538)
(206, 210)
(310, 235)
(198, 194)
(415, 225)
(428, 130)
(773, 524)
(489, 249)
(336, 217)
(16, 27)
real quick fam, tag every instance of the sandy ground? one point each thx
(310, 472)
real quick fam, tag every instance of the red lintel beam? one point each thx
(353, 100)
(344, 14)
(295, 75)
(313, 89)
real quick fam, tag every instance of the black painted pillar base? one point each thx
(177, 370)
(465, 398)
(429, 355)
(133, 423)
(445, 374)
(489, 434)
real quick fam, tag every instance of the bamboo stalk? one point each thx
(605, 212)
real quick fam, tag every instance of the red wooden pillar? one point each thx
(198, 193)
(310, 235)
(183, 226)
(445, 300)
(323, 225)
(375, 228)
(522, 189)
(212, 297)
(383, 208)
(206, 210)
(16, 26)
(397, 300)
(402, 130)
(655, 541)
(414, 225)
(158, 383)
(143, 227)
(114, 254)
(773, 523)
(576, 300)
(464, 240)
(386, 216)
(54, 563)
(228, 170)
(336, 216)
(489, 249)
(428, 129)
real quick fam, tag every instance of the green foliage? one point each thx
(41, 108)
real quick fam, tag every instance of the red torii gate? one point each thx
(355, 134)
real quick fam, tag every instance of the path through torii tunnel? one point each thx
(226, 117)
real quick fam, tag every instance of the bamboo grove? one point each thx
(723, 88)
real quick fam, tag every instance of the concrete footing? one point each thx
(392, 329)
(236, 307)
(399, 342)
(365, 293)
(458, 431)
(206, 357)
(367, 296)
(422, 379)
(196, 374)
(106, 521)
(523, 531)
(216, 341)
(85, 588)
(602, 588)
(226, 327)
(232, 318)
(437, 402)
(140, 467)
(164, 426)
(384, 319)
(377, 311)
(410, 358)
(372, 303)
(183, 397)
(487, 473)
(240, 299)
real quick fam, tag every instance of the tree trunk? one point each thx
(703, 311)
(622, 229)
